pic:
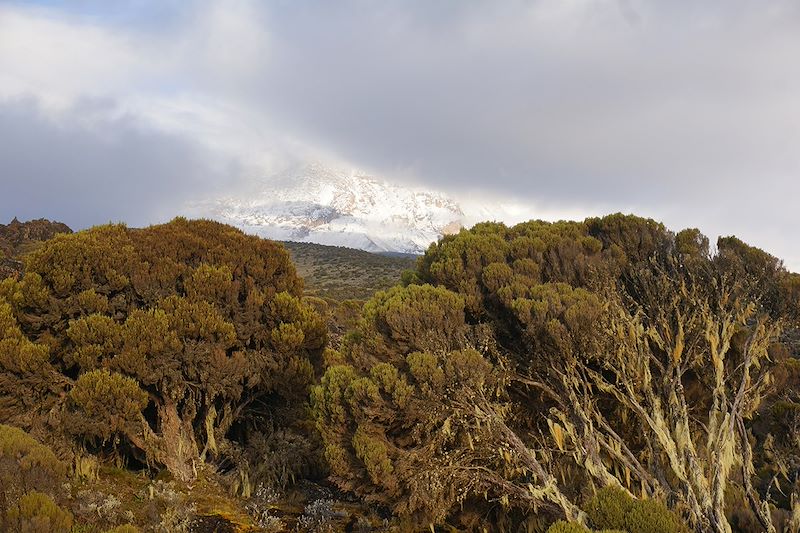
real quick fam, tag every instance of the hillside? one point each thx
(343, 273)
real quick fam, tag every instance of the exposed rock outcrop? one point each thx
(18, 238)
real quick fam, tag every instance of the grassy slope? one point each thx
(341, 273)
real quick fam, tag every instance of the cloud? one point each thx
(564, 100)
(105, 171)
(687, 113)
(103, 121)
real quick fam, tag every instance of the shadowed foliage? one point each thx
(37, 513)
(25, 466)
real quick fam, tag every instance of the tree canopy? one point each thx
(156, 340)
(604, 375)
(522, 366)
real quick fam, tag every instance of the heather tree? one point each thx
(162, 340)
(570, 356)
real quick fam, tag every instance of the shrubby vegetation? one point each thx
(613, 509)
(30, 474)
(605, 375)
(519, 367)
(163, 346)
(127, 528)
(35, 512)
(337, 273)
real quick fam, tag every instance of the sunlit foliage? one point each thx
(157, 339)
(609, 352)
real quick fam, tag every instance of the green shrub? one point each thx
(567, 527)
(609, 507)
(26, 465)
(651, 516)
(127, 528)
(37, 513)
(573, 527)
(613, 508)
(26, 376)
(181, 326)
(107, 403)
(403, 369)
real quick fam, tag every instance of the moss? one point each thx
(572, 527)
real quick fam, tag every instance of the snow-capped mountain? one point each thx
(326, 205)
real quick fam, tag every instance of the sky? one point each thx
(687, 112)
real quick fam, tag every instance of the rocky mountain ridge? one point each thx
(18, 237)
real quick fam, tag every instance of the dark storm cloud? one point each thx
(87, 173)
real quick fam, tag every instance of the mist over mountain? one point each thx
(328, 205)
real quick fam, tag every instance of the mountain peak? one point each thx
(328, 205)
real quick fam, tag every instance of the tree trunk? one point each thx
(181, 454)
(175, 448)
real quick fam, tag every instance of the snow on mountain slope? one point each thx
(325, 205)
